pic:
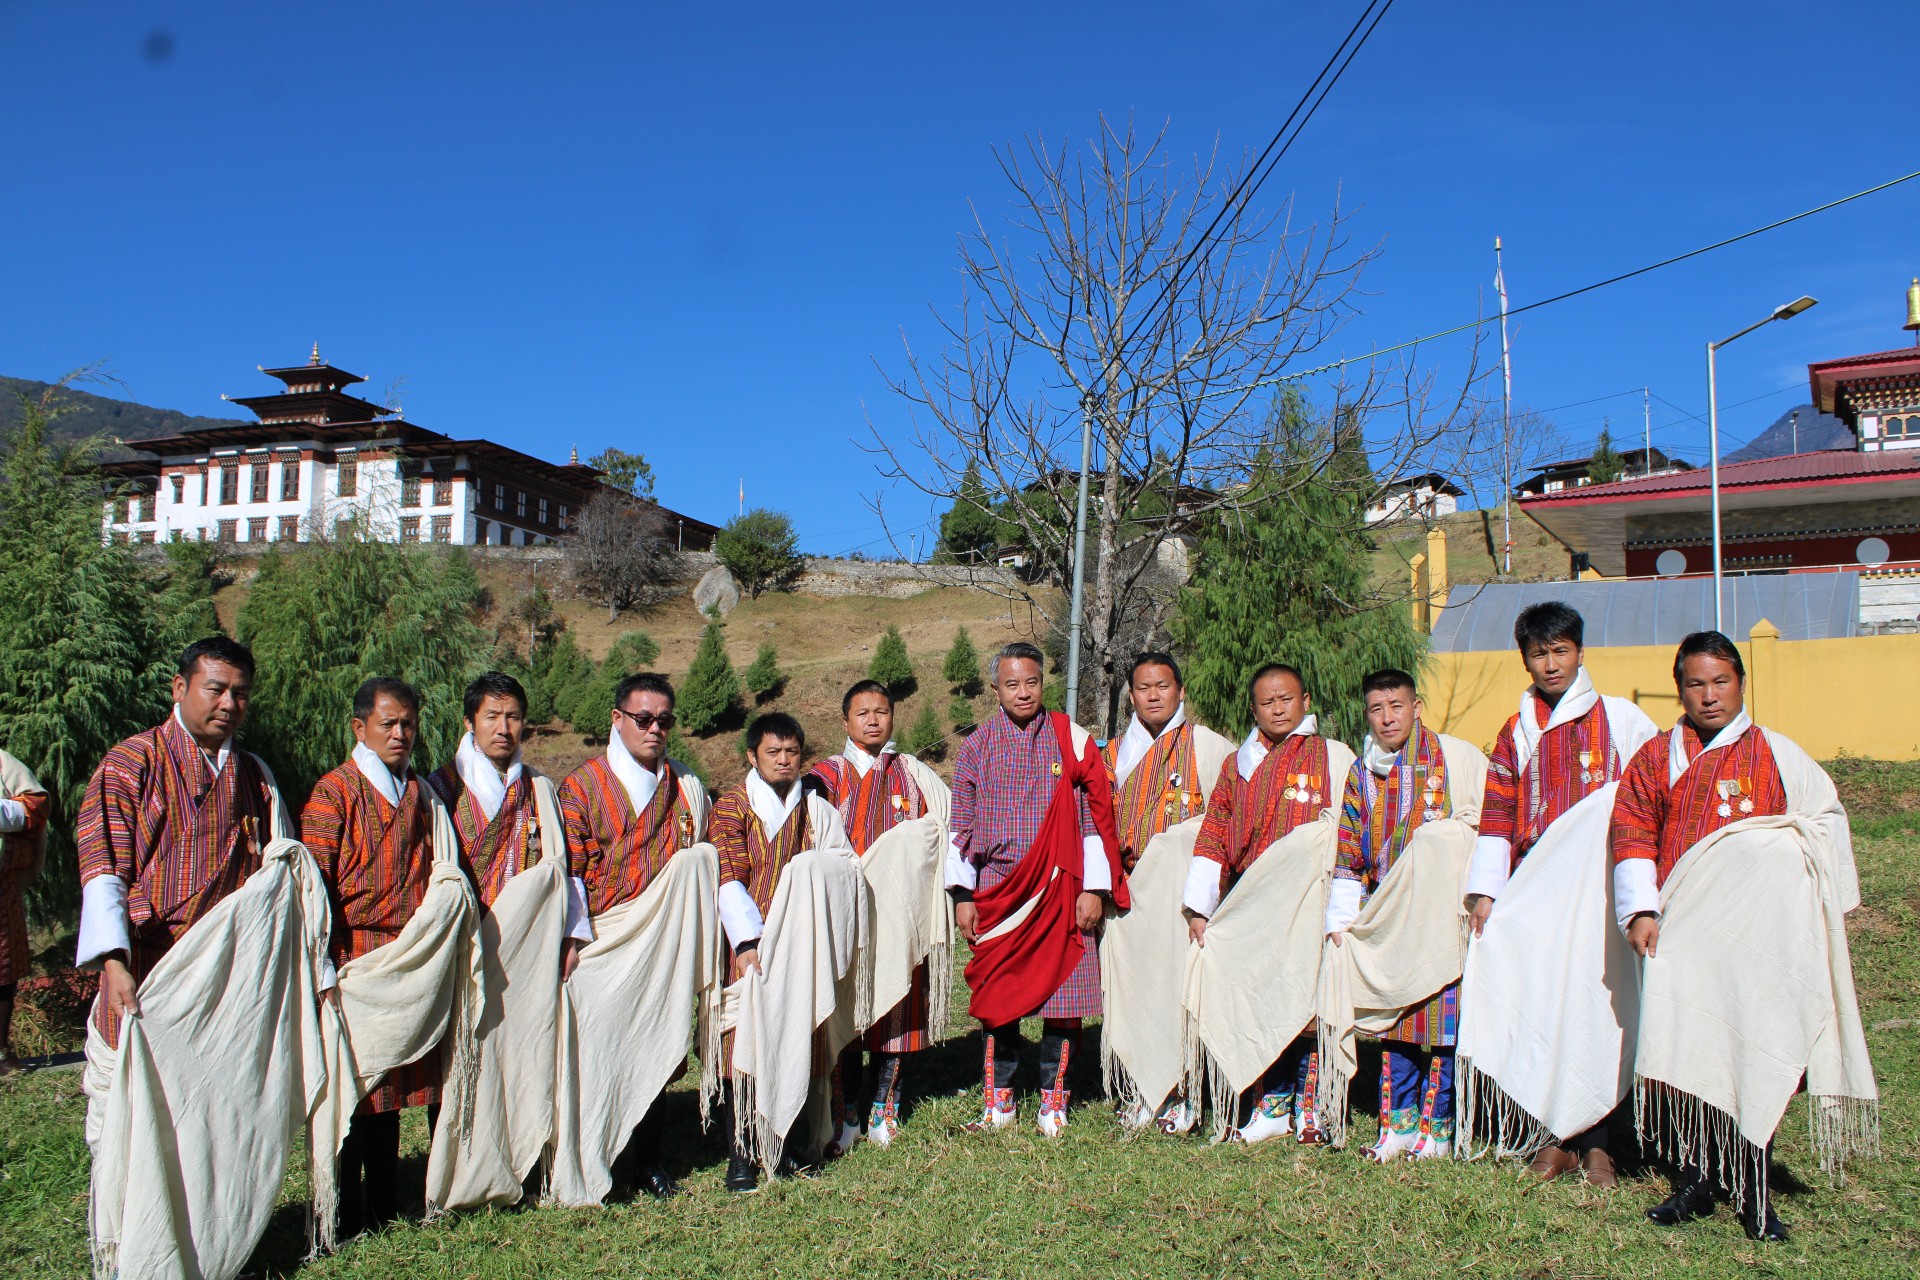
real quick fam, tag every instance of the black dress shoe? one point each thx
(742, 1174)
(658, 1183)
(1772, 1229)
(1689, 1200)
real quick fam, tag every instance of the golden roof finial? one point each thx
(1913, 307)
(574, 460)
(316, 354)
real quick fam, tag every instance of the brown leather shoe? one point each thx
(1599, 1169)
(1553, 1162)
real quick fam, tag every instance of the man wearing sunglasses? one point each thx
(628, 814)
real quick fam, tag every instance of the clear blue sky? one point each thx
(690, 230)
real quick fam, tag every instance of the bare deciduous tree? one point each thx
(1115, 286)
(617, 552)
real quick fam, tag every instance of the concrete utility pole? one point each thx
(1506, 418)
(1646, 415)
(1079, 558)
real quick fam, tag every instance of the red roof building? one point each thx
(1838, 508)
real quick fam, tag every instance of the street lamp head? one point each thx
(1793, 308)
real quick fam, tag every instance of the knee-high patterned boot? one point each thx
(883, 1121)
(996, 1110)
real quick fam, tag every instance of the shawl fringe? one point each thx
(1483, 1107)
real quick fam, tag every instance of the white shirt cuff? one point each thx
(1202, 894)
(13, 815)
(1343, 905)
(578, 925)
(329, 976)
(961, 874)
(1096, 875)
(739, 916)
(1635, 889)
(1492, 864)
(103, 921)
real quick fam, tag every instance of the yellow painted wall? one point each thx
(1859, 695)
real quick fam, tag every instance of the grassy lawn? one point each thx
(942, 1203)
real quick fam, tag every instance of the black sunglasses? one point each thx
(644, 721)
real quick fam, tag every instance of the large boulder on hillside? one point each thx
(716, 590)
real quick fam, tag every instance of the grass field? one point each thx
(941, 1203)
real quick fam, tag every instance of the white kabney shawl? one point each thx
(396, 1003)
(1751, 986)
(646, 990)
(1251, 987)
(1550, 995)
(517, 1035)
(911, 914)
(190, 1120)
(816, 973)
(1143, 954)
(1409, 940)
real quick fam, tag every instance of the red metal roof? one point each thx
(1791, 471)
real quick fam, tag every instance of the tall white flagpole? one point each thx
(1506, 417)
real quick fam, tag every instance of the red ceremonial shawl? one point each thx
(1015, 973)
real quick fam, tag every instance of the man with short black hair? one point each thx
(1732, 857)
(1033, 864)
(512, 847)
(1163, 768)
(1565, 744)
(173, 820)
(1275, 798)
(629, 814)
(761, 827)
(370, 826)
(1408, 778)
(879, 789)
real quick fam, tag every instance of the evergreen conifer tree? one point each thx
(969, 531)
(764, 676)
(325, 618)
(890, 665)
(1288, 578)
(961, 667)
(559, 672)
(960, 712)
(82, 661)
(926, 738)
(1606, 465)
(711, 691)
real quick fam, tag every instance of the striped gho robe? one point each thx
(1573, 760)
(1377, 818)
(377, 860)
(872, 804)
(20, 854)
(746, 854)
(492, 850)
(1246, 815)
(613, 851)
(1657, 821)
(178, 835)
(1162, 791)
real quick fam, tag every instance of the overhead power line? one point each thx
(1560, 297)
(1269, 158)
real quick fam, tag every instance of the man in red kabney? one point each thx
(1034, 860)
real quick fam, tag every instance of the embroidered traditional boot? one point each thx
(996, 1104)
(1052, 1121)
(883, 1122)
(1177, 1118)
(1272, 1118)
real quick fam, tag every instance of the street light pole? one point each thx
(1079, 559)
(1787, 312)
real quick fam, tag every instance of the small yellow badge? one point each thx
(1056, 768)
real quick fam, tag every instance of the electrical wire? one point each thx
(1262, 168)
(1560, 297)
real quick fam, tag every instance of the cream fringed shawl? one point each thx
(1143, 956)
(1251, 987)
(816, 974)
(912, 916)
(1409, 940)
(395, 1003)
(517, 1036)
(647, 989)
(1550, 996)
(191, 1119)
(1751, 987)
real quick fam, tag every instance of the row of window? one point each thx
(520, 505)
(441, 530)
(410, 491)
